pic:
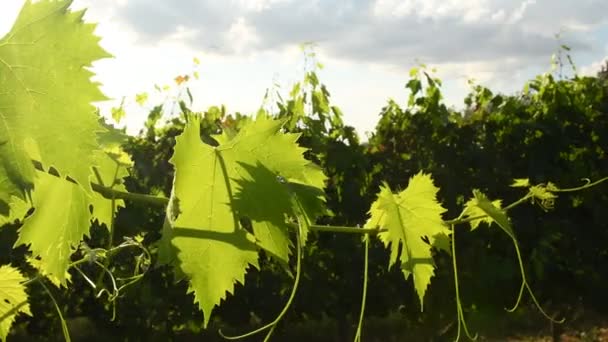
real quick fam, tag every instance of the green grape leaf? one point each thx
(19, 209)
(111, 168)
(46, 95)
(472, 209)
(141, 98)
(107, 169)
(61, 218)
(267, 216)
(481, 205)
(543, 195)
(118, 113)
(322, 101)
(215, 186)
(210, 248)
(13, 298)
(409, 217)
(260, 142)
(283, 200)
(520, 183)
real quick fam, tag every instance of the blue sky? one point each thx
(367, 46)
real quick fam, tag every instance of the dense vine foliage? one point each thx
(210, 201)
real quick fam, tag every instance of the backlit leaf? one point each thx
(472, 209)
(204, 239)
(409, 217)
(44, 98)
(480, 204)
(60, 220)
(13, 298)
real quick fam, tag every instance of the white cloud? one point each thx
(469, 11)
(518, 14)
(366, 45)
(241, 36)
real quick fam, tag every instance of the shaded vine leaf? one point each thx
(261, 142)
(271, 203)
(13, 298)
(410, 217)
(481, 205)
(43, 98)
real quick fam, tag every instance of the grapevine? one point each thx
(252, 190)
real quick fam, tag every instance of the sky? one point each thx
(366, 47)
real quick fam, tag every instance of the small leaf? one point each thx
(181, 79)
(520, 183)
(118, 113)
(141, 98)
(472, 209)
(414, 72)
(409, 217)
(493, 212)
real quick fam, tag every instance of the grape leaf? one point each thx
(205, 218)
(520, 183)
(260, 142)
(108, 169)
(210, 247)
(61, 218)
(13, 298)
(480, 204)
(472, 209)
(46, 95)
(269, 216)
(408, 217)
(19, 209)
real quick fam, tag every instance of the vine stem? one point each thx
(588, 184)
(296, 284)
(525, 285)
(459, 312)
(364, 295)
(64, 325)
(162, 201)
(460, 220)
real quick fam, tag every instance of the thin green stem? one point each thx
(272, 324)
(519, 297)
(110, 243)
(130, 196)
(588, 184)
(364, 295)
(527, 286)
(98, 176)
(64, 325)
(459, 312)
(342, 229)
(162, 201)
